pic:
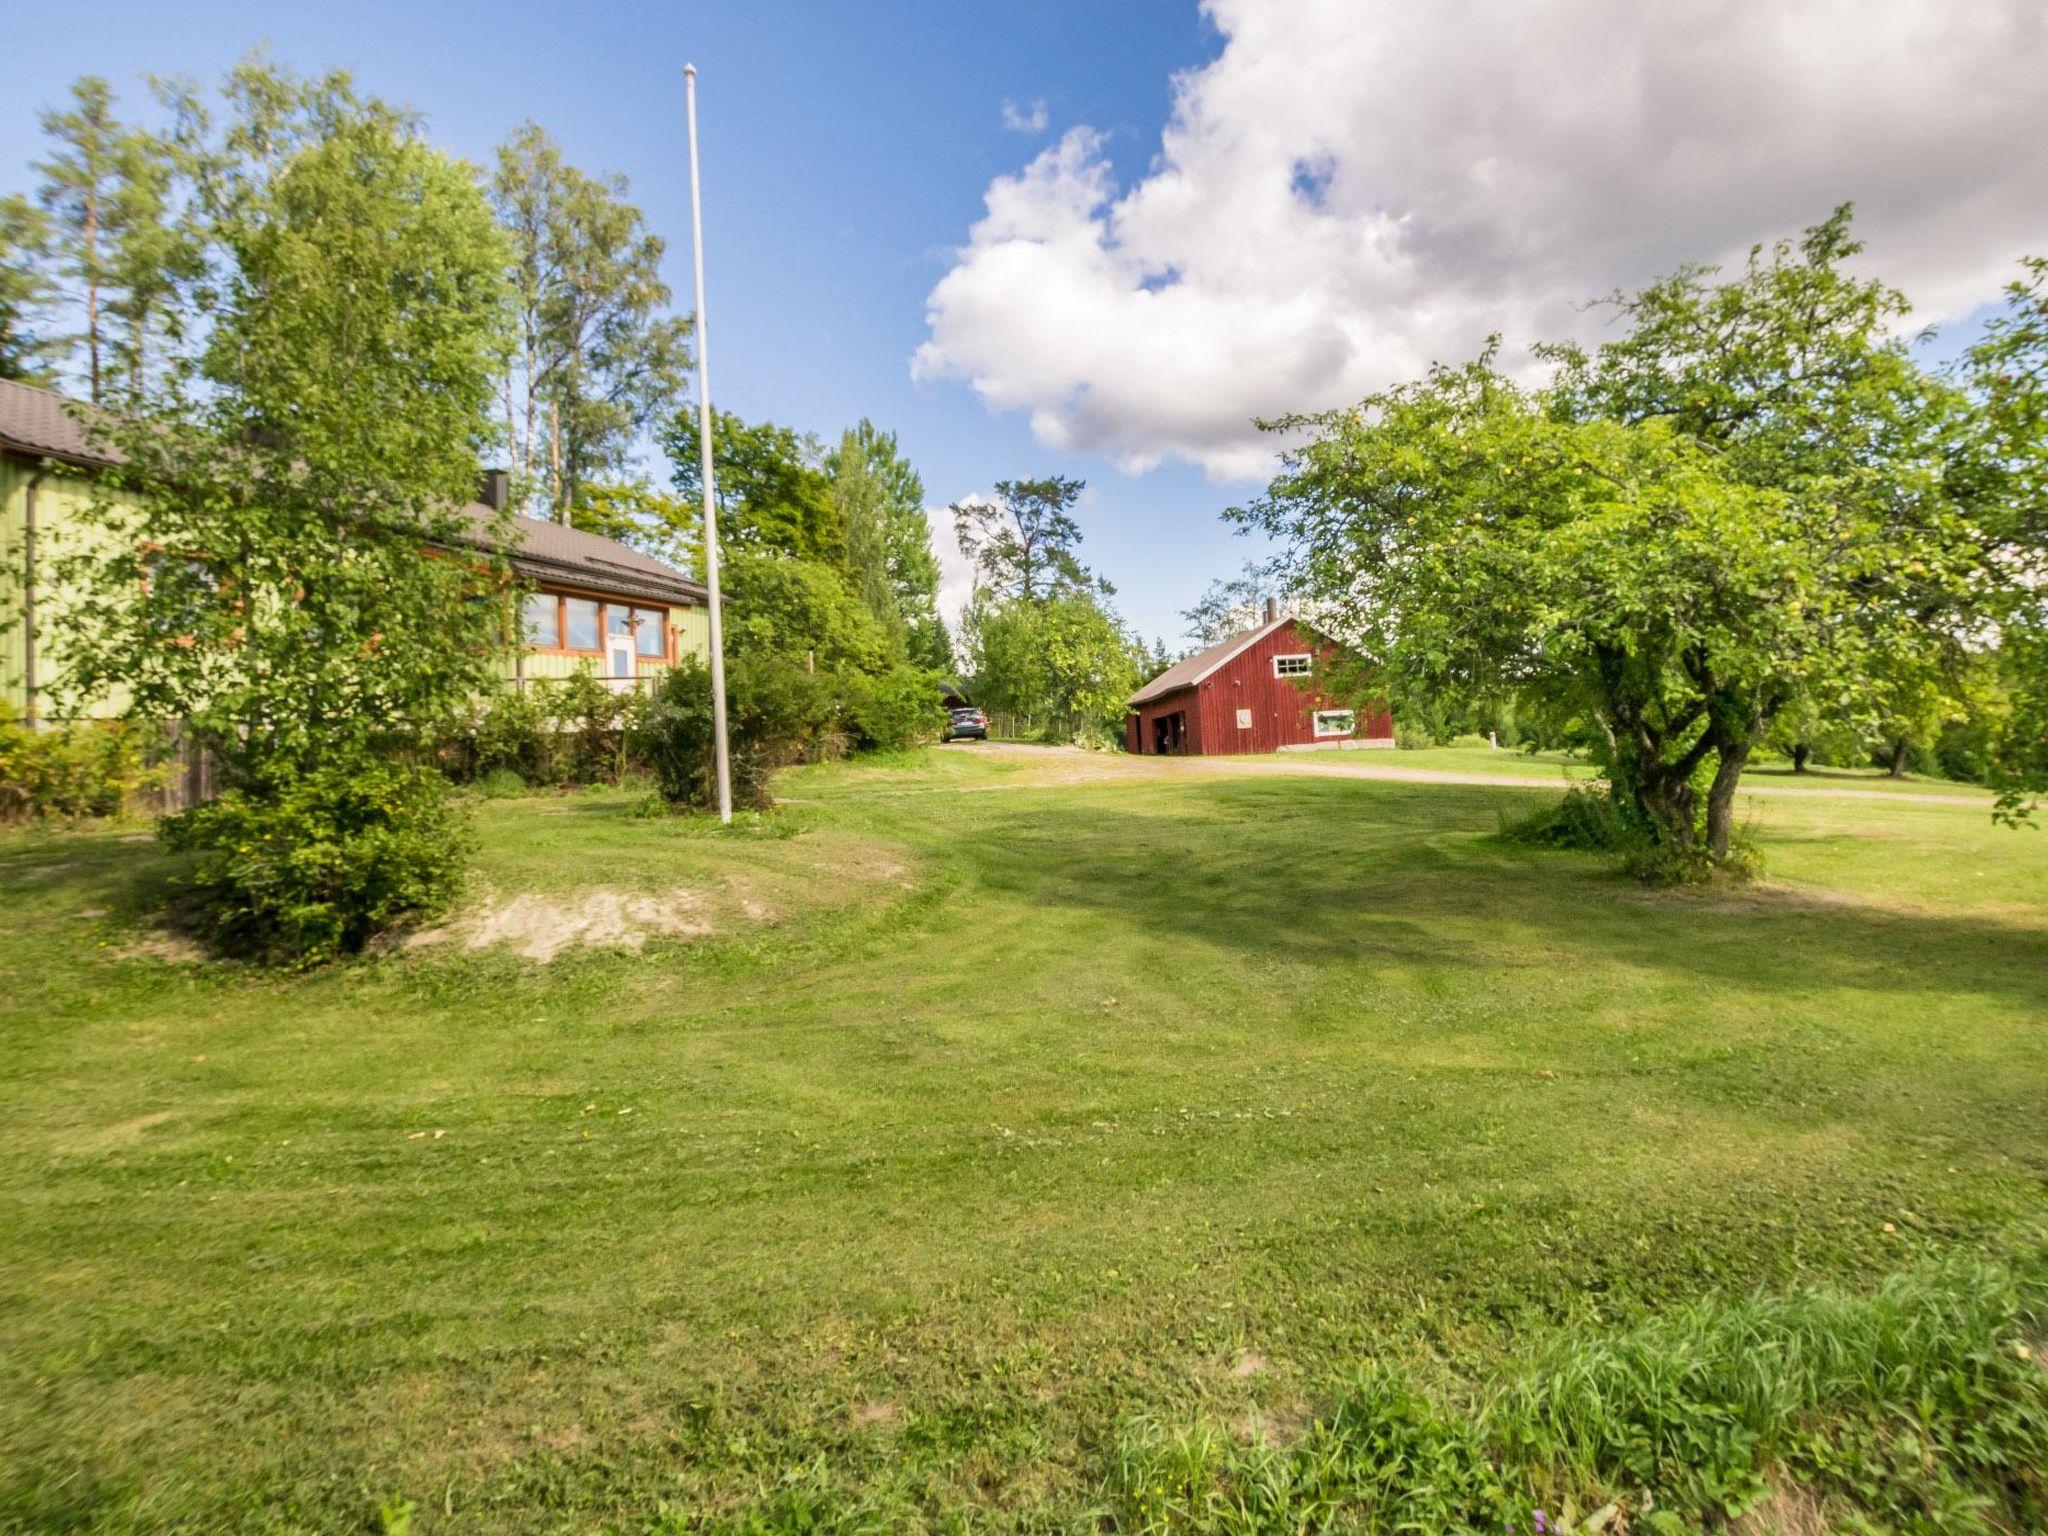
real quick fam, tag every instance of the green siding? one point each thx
(63, 532)
(63, 529)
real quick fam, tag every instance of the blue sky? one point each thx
(846, 150)
(1220, 211)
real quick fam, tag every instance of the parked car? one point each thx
(966, 724)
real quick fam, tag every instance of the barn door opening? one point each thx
(1170, 733)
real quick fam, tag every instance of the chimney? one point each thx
(1272, 609)
(494, 490)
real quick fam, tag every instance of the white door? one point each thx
(618, 660)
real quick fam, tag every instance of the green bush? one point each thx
(1470, 739)
(502, 784)
(904, 707)
(314, 865)
(86, 769)
(1410, 738)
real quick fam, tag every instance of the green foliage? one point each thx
(1023, 543)
(901, 708)
(802, 610)
(772, 494)
(1744, 500)
(315, 865)
(1920, 1407)
(636, 514)
(597, 362)
(1235, 604)
(302, 456)
(2008, 369)
(26, 292)
(86, 769)
(880, 504)
(677, 740)
(1063, 665)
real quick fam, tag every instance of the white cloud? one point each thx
(956, 571)
(1351, 191)
(1031, 119)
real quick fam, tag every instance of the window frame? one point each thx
(1349, 716)
(648, 628)
(1307, 668)
(554, 601)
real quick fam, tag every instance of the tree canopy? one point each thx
(597, 362)
(268, 580)
(1748, 498)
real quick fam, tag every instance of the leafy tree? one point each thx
(1023, 542)
(635, 513)
(1740, 502)
(2008, 370)
(1235, 604)
(25, 291)
(772, 492)
(880, 503)
(1063, 663)
(596, 362)
(79, 181)
(803, 610)
(268, 577)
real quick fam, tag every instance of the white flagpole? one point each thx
(704, 468)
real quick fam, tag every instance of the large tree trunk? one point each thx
(1900, 750)
(1666, 800)
(1721, 799)
(1801, 752)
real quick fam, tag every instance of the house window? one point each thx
(650, 636)
(1293, 666)
(1334, 722)
(543, 619)
(581, 614)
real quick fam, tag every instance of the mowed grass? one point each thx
(1008, 1104)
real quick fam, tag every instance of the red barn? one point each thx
(1255, 692)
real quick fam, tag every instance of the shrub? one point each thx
(675, 739)
(904, 707)
(1586, 819)
(511, 731)
(501, 784)
(313, 865)
(86, 769)
(1409, 738)
(1470, 739)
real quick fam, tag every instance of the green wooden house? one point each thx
(592, 604)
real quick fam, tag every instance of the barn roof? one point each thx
(39, 423)
(1187, 673)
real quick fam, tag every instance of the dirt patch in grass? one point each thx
(163, 944)
(541, 926)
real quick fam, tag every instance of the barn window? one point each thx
(1293, 666)
(1334, 722)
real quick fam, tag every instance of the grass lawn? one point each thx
(969, 1115)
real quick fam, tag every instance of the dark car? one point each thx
(965, 724)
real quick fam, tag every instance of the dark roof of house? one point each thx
(44, 424)
(1188, 672)
(40, 423)
(554, 552)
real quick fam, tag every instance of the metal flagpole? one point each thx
(704, 467)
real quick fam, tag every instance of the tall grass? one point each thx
(1921, 1407)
